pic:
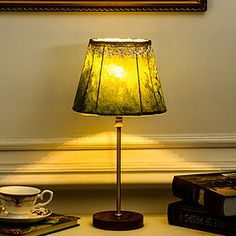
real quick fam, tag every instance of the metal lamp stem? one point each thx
(118, 126)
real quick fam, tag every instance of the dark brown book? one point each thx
(215, 191)
(196, 217)
(50, 224)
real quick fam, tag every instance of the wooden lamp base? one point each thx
(108, 220)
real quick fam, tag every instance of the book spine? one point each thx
(193, 193)
(195, 218)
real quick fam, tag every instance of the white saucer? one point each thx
(34, 215)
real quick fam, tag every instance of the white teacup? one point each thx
(21, 199)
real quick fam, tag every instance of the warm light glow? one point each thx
(108, 139)
(118, 71)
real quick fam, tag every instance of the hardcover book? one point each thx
(51, 224)
(196, 217)
(215, 191)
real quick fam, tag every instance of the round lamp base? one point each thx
(108, 220)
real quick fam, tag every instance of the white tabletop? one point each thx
(153, 225)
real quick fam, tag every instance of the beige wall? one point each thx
(41, 55)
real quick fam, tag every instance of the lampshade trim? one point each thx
(121, 49)
(119, 41)
(122, 115)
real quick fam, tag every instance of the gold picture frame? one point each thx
(104, 6)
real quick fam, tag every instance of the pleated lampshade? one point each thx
(119, 78)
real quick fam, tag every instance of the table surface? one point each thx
(154, 224)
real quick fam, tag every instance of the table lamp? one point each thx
(119, 78)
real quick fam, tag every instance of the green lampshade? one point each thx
(119, 78)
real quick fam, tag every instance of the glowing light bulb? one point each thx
(118, 71)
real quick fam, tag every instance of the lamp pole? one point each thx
(118, 125)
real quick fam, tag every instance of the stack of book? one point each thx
(208, 202)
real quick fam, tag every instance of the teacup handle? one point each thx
(40, 196)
